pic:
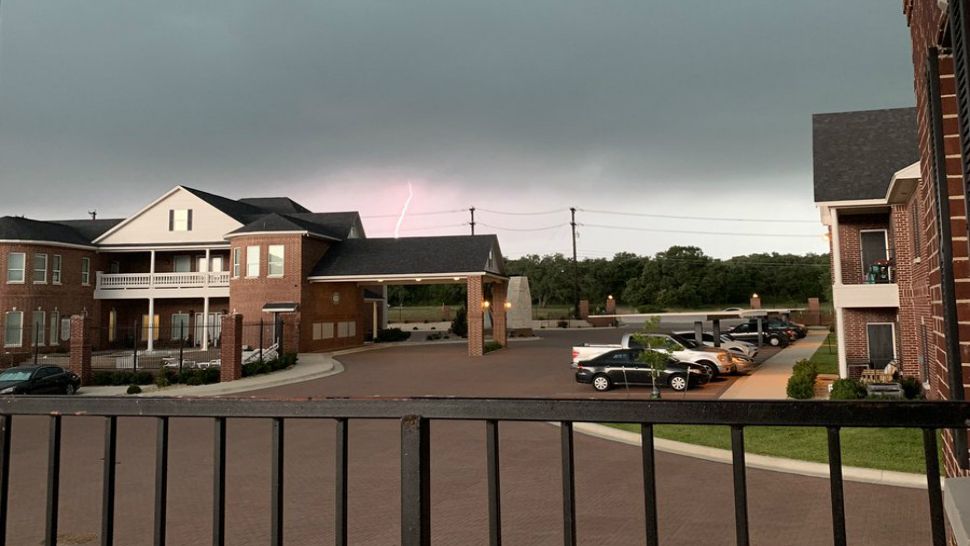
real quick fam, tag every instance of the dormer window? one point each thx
(180, 220)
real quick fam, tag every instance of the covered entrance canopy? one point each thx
(474, 260)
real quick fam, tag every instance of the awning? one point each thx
(286, 307)
(903, 184)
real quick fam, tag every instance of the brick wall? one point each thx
(68, 298)
(856, 336)
(850, 242)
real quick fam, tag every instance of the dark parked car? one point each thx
(800, 329)
(748, 331)
(38, 380)
(622, 366)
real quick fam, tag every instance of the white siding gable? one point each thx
(151, 224)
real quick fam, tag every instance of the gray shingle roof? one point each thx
(281, 205)
(16, 228)
(279, 222)
(91, 229)
(237, 210)
(856, 153)
(410, 256)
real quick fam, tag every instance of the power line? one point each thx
(426, 228)
(691, 232)
(500, 228)
(428, 213)
(708, 218)
(534, 213)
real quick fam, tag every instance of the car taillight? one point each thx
(575, 355)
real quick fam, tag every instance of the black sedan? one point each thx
(622, 366)
(39, 380)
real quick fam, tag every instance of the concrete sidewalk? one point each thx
(309, 366)
(768, 381)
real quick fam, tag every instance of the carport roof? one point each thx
(387, 258)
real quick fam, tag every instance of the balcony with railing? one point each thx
(174, 285)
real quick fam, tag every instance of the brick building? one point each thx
(167, 275)
(864, 169)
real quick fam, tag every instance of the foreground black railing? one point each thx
(415, 415)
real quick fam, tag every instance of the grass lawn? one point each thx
(900, 450)
(827, 356)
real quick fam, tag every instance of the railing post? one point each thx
(835, 483)
(53, 480)
(568, 485)
(930, 453)
(161, 480)
(276, 485)
(494, 483)
(108, 481)
(219, 483)
(415, 482)
(6, 426)
(649, 484)
(340, 483)
(740, 486)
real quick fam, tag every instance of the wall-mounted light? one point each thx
(457, 278)
(486, 304)
(755, 295)
(508, 305)
(609, 297)
(417, 280)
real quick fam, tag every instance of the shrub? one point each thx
(392, 334)
(847, 389)
(562, 324)
(162, 381)
(492, 346)
(912, 388)
(805, 367)
(142, 378)
(801, 387)
(133, 389)
(459, 326)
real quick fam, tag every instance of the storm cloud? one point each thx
(674, 107)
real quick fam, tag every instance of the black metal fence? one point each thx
(39, 343)
(415, 417)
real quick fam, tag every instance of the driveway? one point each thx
(696, 502)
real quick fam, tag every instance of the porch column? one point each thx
(500, 332)
(699, 332)
(151, 324)
(151, 270)
(374, 319)
(840, 340)
(717, 332)
(385, 309)
(205, 323)
(836, 249)
(476, 320)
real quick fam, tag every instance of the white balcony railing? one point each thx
(129, 281)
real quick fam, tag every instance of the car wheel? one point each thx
(601, 383)
(711, 367)
(69, 389)
(678, 382)
(774, 341)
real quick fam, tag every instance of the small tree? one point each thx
(459, 326)
(655, 352)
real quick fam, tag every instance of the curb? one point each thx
(762, 462)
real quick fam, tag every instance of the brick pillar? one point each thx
(610, 305)
(755, 301)
(500, 331)
(476, 321)
(232, 343)
(80, 355)
(583, 309)
(814, 312)
(290, 342)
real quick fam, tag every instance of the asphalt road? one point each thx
(696, 502)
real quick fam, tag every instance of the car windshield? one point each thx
(686, 342)
(15, 375)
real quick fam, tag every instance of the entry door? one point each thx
(217, 264)
(882, 343)
(873, 248)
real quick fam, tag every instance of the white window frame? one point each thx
(35, 269)
(35, 327)
(862, 253)
(65, 329)
(270, 262)
(54, 324)
(22, 270)
(883, 323)
(252, 261)
(85, 271)
(6, 321)
(236, 262)
(56, 263)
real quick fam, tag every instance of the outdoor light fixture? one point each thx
(755, 295)
(508, 305)
(609, 297)
(486, 304)
(417, 280)
(457, 278)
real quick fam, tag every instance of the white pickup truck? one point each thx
(716, 360)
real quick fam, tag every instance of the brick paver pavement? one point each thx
(696, 503)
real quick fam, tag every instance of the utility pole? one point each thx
(572, 211)
(472, 210)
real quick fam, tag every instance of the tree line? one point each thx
(679, 277)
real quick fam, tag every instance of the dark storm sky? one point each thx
(688, 107)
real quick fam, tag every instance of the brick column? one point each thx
(80, 355)
(232, 333)
(500, 331)
(476, 321)
(814, 312)
(755, 301)
(583, 309)
(610, 305)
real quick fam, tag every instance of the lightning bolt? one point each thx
(407, 203)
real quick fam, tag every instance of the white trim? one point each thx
(840, 341)
(45, 243)
(144, 209)
(271, 233)
(852, 203)
(7, 314)
(23, 270)
(161, 247)
(882, 323)
(88, 272)
(34, 269)
(409, 276)
(862, 251)
(269, 261)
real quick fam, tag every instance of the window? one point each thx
(40, 268)
(916, 234)
(114, 268)
(180, 220)
(13, 329)
(66, 329)
(326, 330)
(55, 324)
(236, 261)
(180, 326)
(183, 264)
(85, 271)
(37, 330)
(217, 265)
(16, 263)
(252, 261)
(56, 269)
(275, 261)
(346, 329)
